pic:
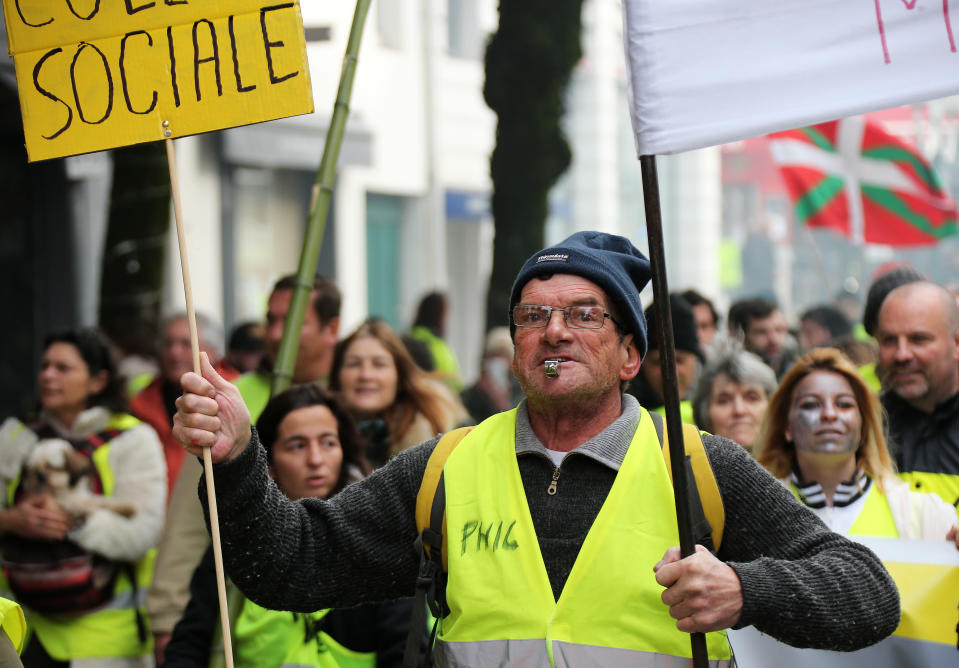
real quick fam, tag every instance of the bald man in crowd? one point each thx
(918, 335)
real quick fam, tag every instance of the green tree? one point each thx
(529, 61)
(131, 282)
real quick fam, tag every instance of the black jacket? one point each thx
(923, 441)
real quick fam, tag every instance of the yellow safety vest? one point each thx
(946, 485)
(924, 629)
(875, 518)
(868, 373)
(265, 638)
(13, 623)
(443, 358)
(685, 411)
(111, 630)
(610, 613)
(254, 387)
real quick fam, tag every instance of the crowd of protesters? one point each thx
(849, 416)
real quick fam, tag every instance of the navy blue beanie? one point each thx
(611, 262)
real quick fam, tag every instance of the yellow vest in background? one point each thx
(946, 485)
(265, 638)
(875, 519)
(13, 623)
(685, 412)
(109, 631)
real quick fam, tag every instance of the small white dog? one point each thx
(53, 467)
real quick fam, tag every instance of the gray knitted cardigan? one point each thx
(801, 583)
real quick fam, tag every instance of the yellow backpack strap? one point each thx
(431, 499)
(710, 500)
(430, 535)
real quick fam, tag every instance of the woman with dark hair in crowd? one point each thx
(82, 432)
(380, 382)
(732, 393)
(823, 438)
(313, 451)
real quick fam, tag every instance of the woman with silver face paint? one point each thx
(823, 438)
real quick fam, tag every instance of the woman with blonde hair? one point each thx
(823, 438)
(380, 383)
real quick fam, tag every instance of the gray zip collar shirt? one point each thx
(608, 447)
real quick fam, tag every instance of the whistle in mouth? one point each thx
(552, 368)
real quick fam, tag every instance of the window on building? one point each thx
(389, 23)
(318, 34)
(265, 218)
(465, 36)
(384, 228)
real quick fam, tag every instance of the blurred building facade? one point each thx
(410, 210)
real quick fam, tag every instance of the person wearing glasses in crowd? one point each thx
(551, 507)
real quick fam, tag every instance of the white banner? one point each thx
(706, 72)
(927, 573)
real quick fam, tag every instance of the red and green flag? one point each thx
(857, 179)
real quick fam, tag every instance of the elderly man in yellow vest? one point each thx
(559, 513)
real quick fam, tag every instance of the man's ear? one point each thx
(332, 328)
(631, 359)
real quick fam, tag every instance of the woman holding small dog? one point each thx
(84, 496)
(313, 451)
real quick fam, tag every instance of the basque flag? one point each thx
(857, 179)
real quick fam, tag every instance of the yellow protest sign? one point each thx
(94, 75)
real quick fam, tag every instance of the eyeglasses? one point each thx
(576, 317)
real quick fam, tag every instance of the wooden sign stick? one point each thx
(207, 459)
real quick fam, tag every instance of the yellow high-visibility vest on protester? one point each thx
(610, 611)
(875, 519)
(12, 622)
(946, 485)
(685, 411)
(114, 629)
(255, 389)
(443, 357)
(263, 637)
(925, 636)
(66, 637)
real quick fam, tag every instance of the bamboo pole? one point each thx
(319, 209)
(207, 459)
(667, 358)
